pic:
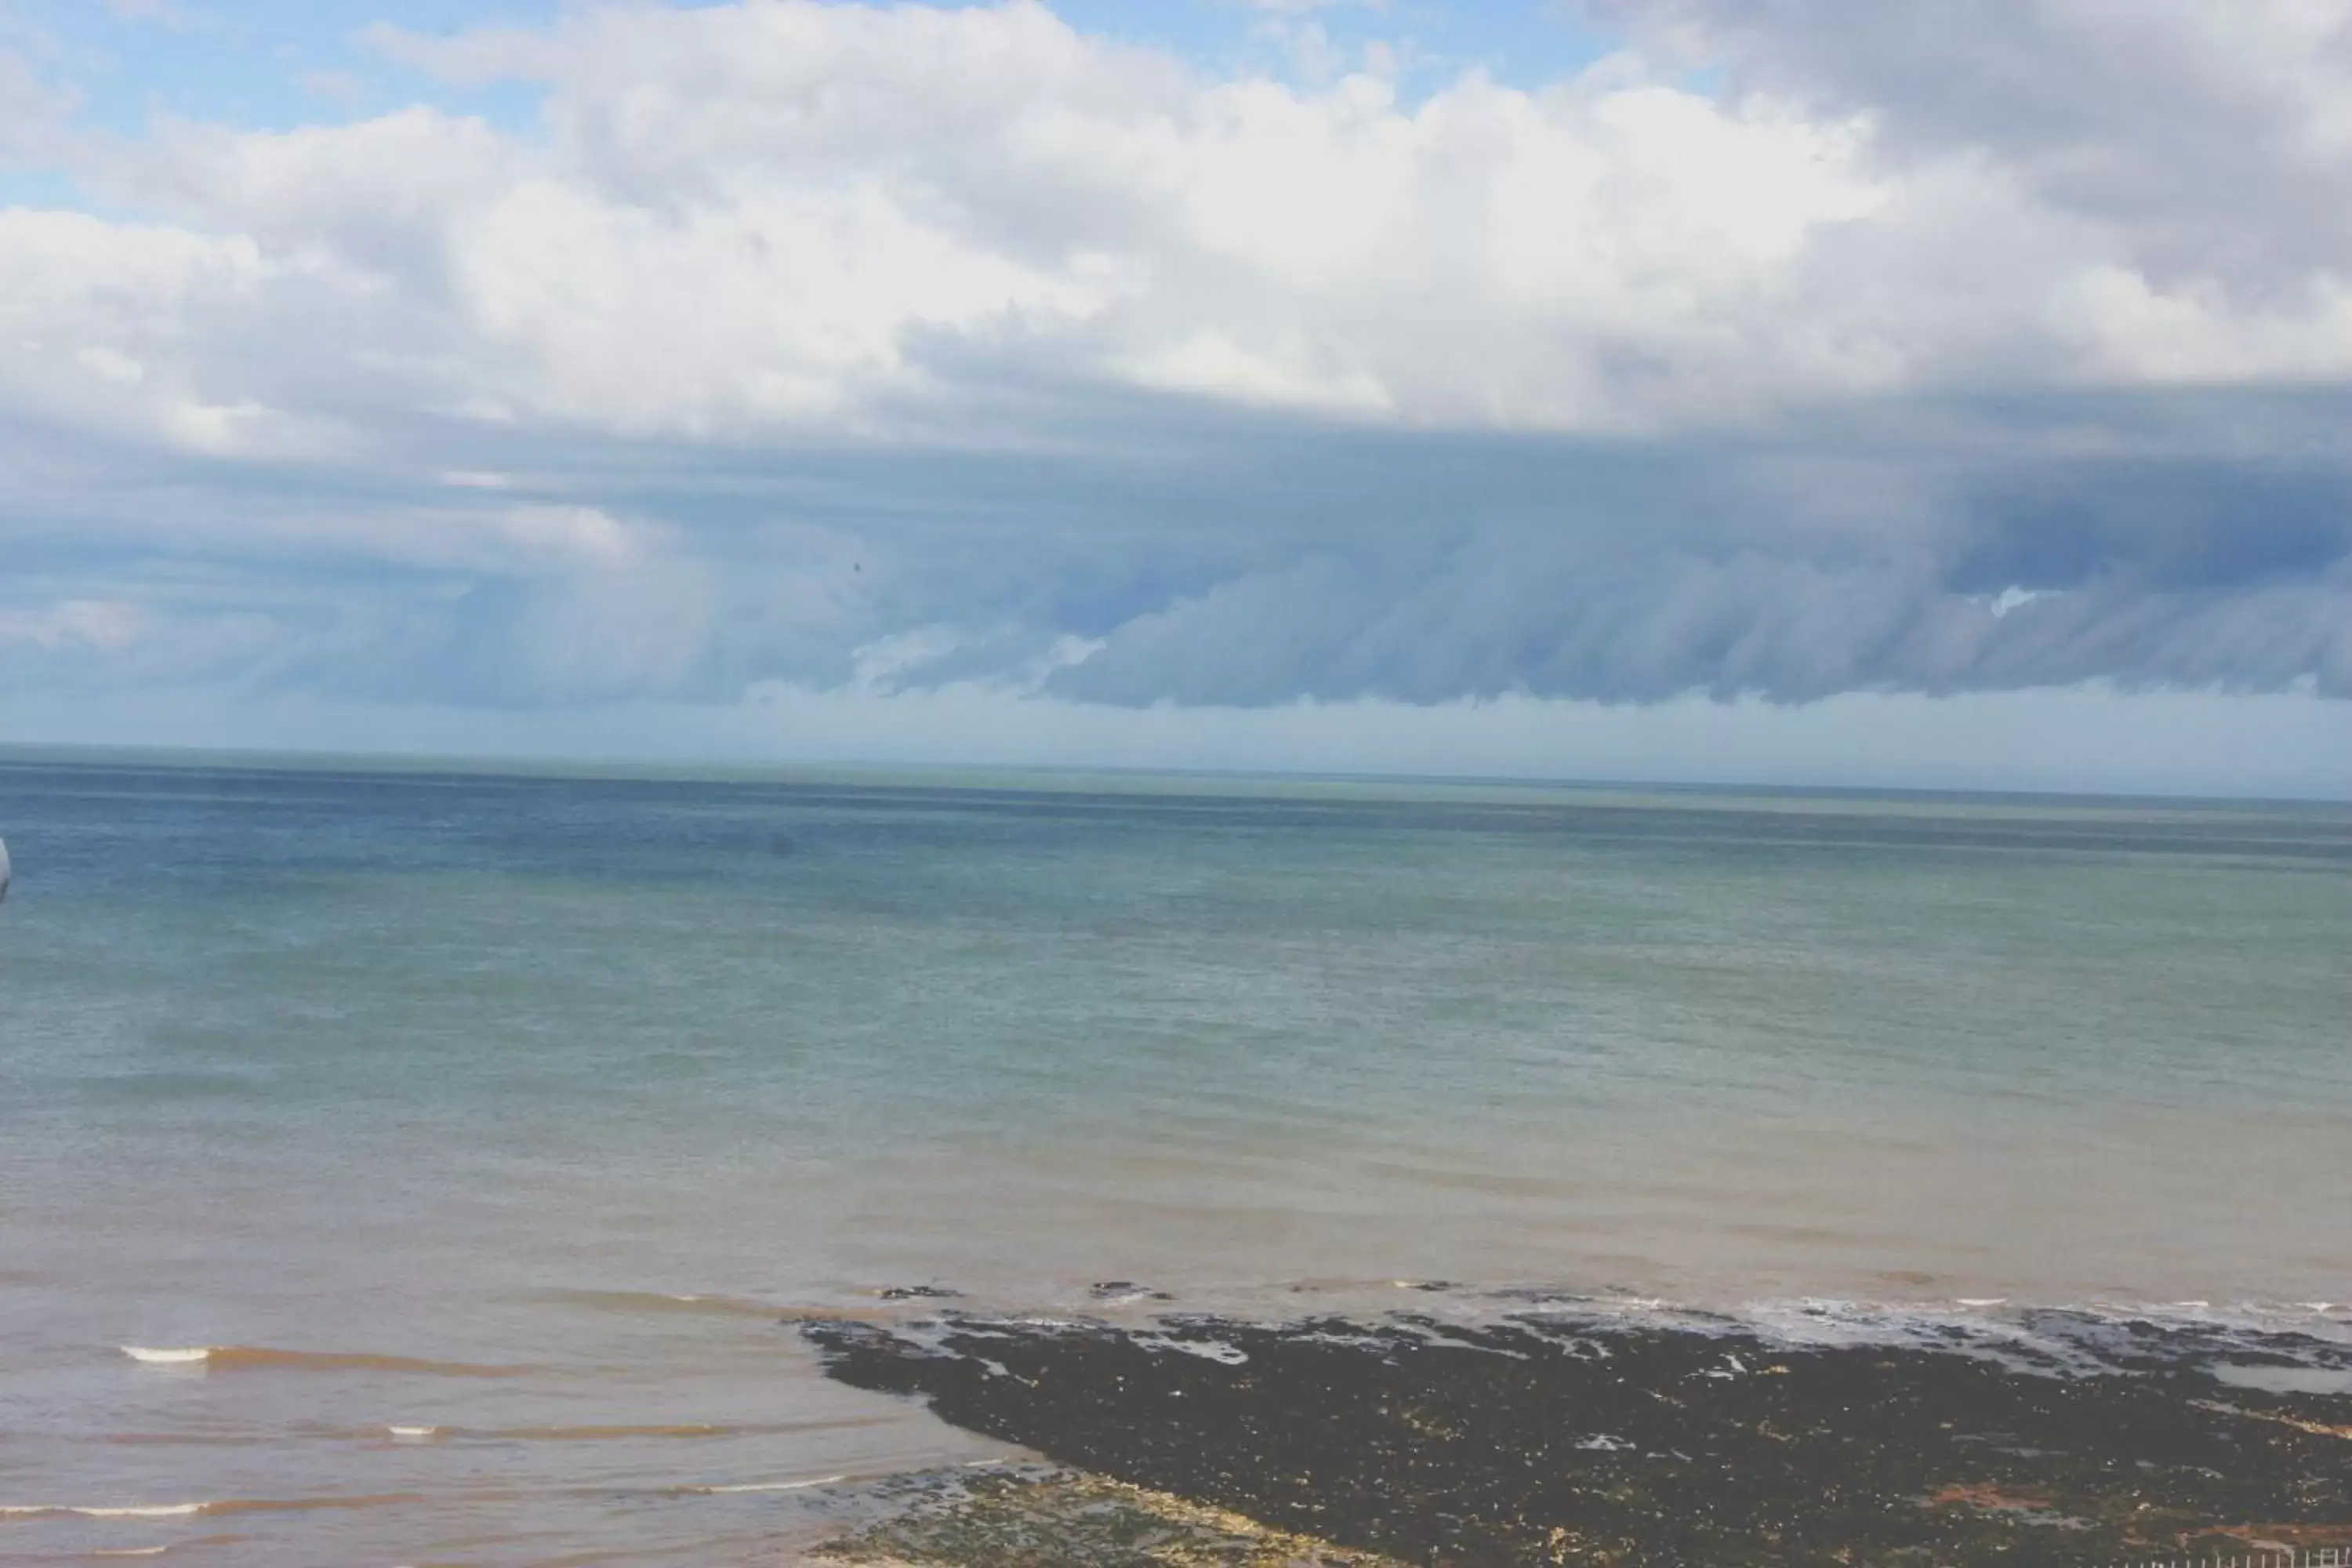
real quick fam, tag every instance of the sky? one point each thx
(1921, 393)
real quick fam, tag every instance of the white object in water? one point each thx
(4, 870)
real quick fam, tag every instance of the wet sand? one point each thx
(1565, 1437)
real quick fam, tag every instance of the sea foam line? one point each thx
(764, 1487)
(150, 1511)
(225, 1357)
(678, 1431)
(204, 1510)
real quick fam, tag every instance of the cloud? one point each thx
(94, 623)
(2193, 129)
(144, 10)
(1296, 7)
(2198, 149)
(31, 110)
(785, 216)
(1788, 353)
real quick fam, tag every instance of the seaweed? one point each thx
(1539, 1439)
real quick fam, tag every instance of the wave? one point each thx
(133, 1511)
(2069, 1338)
(605, 1434)
(659, 1301)
(1822, 1318)
(232, 1357)
(589, 1434)
(732, 1489)
(2084, 1336)
(2285, 1345)
(212, 1510)
(312, 1504)
(169, 1547)
(670, 1432)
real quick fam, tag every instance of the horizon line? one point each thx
(710, 769)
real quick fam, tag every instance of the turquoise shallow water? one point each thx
(456, 1083)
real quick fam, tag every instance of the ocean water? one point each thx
(406, 1167)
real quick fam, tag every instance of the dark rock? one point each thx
(1549, 1439)
(1126, 1290)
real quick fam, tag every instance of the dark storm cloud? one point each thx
(1740, 572)
(1220, 559)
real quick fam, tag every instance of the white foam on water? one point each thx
(641, 1300)
(160, 1510)
(155, 1511)
(767, 1487)
(2063, 1338)
(1207, 1350)
(1127, 1298)
(268, 1358)
(1815, 1320)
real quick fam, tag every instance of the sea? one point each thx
(419, 1164)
